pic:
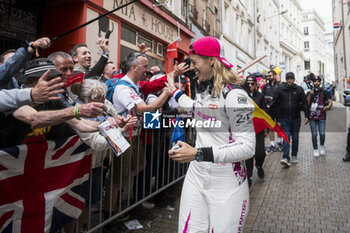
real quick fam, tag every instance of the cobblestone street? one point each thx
(310, 196)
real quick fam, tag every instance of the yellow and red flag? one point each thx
(262, 120)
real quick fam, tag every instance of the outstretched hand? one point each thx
(170, 85)
(180, 68)
(103, 43)
(45, 90)
(143, 49)
(42, 43)
(129, 121)
(91, 110)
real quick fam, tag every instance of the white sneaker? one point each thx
(285, 163)
(316, 153)
(294, 159)
(322, 150)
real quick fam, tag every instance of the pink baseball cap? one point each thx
(211, 47)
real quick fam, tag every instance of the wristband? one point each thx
(76, 111)
(204, 154)
(174, 92)
(32, 45)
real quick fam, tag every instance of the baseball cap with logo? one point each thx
(37, 67)
(290, 75)
(211, 47)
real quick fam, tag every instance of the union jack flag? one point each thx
(43, 185)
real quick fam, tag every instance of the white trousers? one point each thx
(214, 199)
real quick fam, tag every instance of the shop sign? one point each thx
(143, 18)
(17, 21)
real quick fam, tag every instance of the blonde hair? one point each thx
(224, 75)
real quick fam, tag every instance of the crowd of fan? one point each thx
(38, 101)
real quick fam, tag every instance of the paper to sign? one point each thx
(114, 137)
(133, 225)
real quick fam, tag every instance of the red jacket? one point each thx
(149, 87)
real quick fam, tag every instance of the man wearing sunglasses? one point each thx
(270, 90)
(252, 88)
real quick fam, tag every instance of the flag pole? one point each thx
(251, 64)
(91, 21)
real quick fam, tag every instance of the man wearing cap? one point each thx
(319, 101)
(290, 100)
(269, 90)
(42, 92)
(251, 86)
(215, 194)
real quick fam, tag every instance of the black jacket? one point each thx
(290, 101)
(270, 93)
(259, 99)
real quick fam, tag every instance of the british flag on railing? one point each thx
(43, 185)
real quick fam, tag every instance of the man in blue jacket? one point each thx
(11, 61)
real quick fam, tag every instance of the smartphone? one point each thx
(108, 33)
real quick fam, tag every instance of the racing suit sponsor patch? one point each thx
(240, 172)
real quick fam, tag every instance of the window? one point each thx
(133, 39)
(306, 31)
(306, 65)
(226, 13)
(306, 46)
(184, 9)
(128, 34)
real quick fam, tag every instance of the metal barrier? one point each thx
(158, 174)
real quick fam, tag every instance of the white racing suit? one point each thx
(215, 195)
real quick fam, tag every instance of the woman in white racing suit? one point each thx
(215, 194)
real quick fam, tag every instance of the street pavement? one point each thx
(312, 195)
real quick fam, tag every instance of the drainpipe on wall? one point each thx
(344, 50)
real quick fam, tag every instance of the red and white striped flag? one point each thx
(171, 51)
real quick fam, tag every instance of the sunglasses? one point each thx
(270, 75)
(251, 84)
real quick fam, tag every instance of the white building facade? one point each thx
(314, 42)
(291, 39)
(238, 33)
(251, 30)
(267, 33)
(329, 59)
